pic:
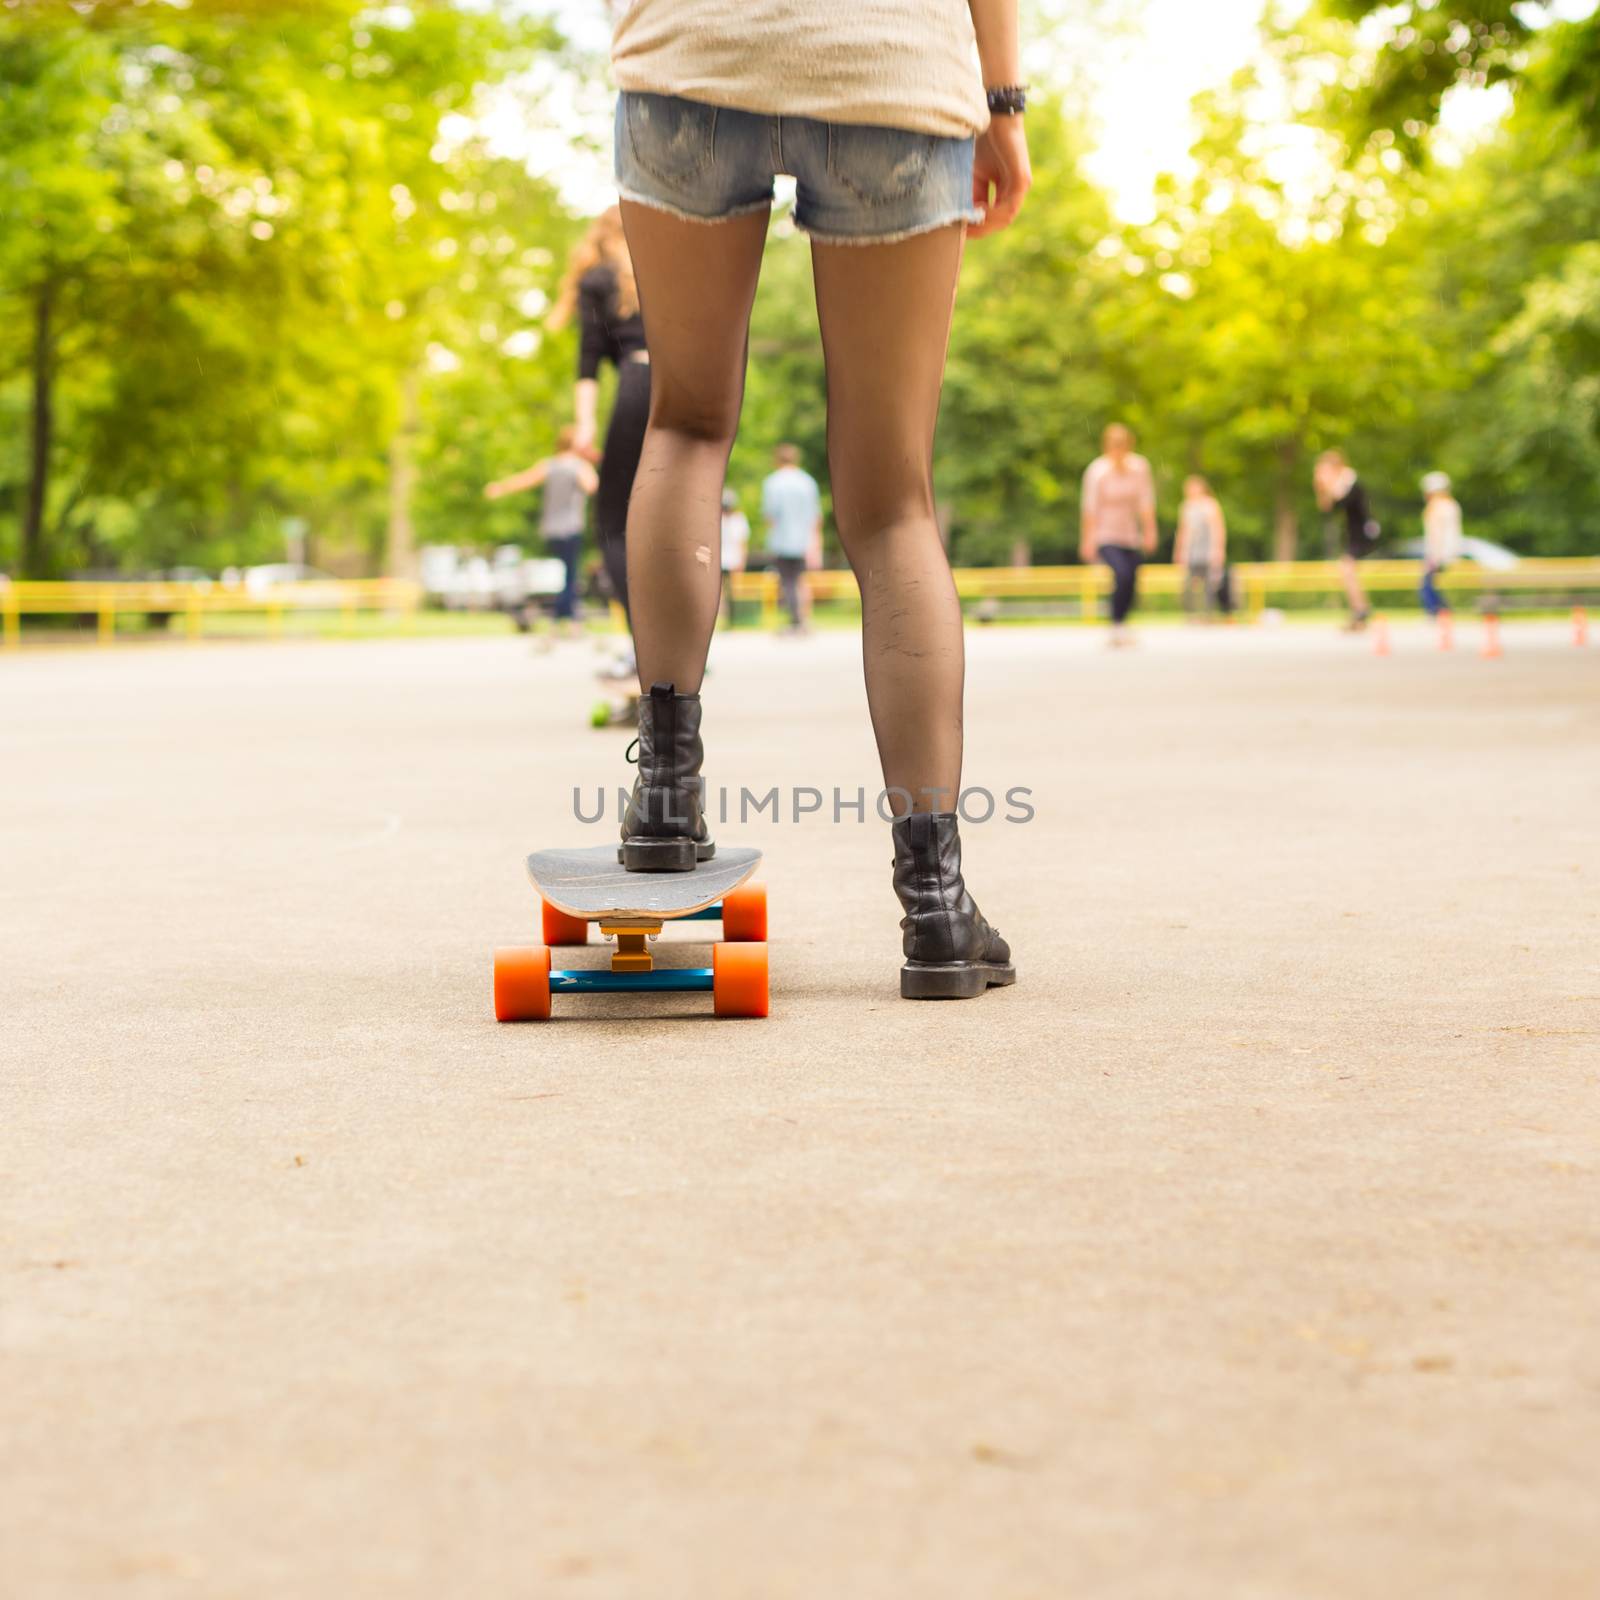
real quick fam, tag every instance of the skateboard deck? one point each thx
(621, 712)
(593, 884)
(620, 708)
(578, 888)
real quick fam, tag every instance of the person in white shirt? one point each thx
(791, 503)
(1441, 539)
(735, 549)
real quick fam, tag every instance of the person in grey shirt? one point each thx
(1201, 550)
(568, 480)
(791, 503)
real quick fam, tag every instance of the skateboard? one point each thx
(620, 708)
(578, 888)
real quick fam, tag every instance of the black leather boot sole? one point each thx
(663, 855)
(951, 952)
(959, 980)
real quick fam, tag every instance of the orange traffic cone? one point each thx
(1447, 630)
(1493, 648)
(1381, 643)
(1580, 628)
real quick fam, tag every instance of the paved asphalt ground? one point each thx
(1248, 1249)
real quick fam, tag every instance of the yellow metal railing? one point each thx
(194, 602)
(1259, 583)
(1262, 581)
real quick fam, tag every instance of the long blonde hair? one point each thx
(603, 245)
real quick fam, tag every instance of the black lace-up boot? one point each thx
(951, 951)
(664, 829)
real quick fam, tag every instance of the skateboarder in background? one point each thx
(1340, 491)
(568, 480)
(1119, 521)
(1441, 539)
(791, 503)
(896, 147)
(600, 291)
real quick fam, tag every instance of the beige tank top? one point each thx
(909, 64)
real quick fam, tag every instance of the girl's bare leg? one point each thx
(697, 282)
(885, 312)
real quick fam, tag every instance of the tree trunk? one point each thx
(400, 545)
(32, 554)
(1285, 516)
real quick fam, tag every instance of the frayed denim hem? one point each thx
(967, 217)
(654, 204)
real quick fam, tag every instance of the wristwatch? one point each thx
(1008, 100)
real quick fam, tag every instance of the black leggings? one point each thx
(567, 548)
(624, 441)
(791, 574)
(1124, 564)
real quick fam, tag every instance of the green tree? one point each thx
(1426, 49)
(786, 388)
(1281, 317)
(233, 256)
(498, 386)
(1040, 361)
(1505, 252)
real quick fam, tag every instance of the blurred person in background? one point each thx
(1201, 551)
(816, 560)
(1340, 492)
(791, 504)
(1441, 539)
(599, 289)
(1119, 521)
(735, 548)
(901, 122)
(568, 480)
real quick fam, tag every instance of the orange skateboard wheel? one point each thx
(739, 979)
(744, 915)
(561, 929)
(522, 984)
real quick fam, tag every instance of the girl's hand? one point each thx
(1001, 175)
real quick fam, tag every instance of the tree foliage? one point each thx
(258, 271)
(1425, 49)
(228, 244)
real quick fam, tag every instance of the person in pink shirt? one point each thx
(1119, 521)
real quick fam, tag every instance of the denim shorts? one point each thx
(855, 184)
